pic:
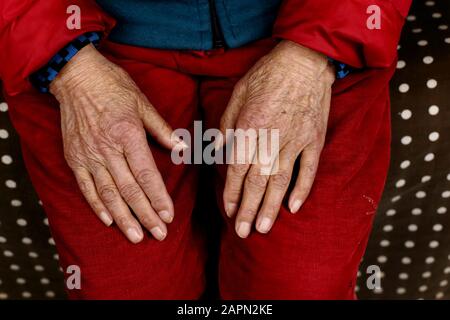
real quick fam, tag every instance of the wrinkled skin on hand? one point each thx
(104, 118)
(290, 90)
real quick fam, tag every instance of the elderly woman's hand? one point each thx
(103, 115)
(289, 89)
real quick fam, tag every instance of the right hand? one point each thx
(103, 116)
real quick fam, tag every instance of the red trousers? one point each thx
(311, 255)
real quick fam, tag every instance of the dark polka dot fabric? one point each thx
(410, 243)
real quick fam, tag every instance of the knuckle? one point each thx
(108, 193)
(147, 220)
(84, 186)
(130, 192)
(158, 201)
(122, 220)
(239, 169)
(256, 181)
(146, 177)
(280, 180)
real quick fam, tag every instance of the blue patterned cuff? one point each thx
(42, 78)
(342, 70)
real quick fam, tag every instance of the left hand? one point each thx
(290, 90)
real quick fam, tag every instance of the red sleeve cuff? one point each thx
(339, 29)
(31, 34)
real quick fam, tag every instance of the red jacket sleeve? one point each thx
(33, 31)
(339, 29)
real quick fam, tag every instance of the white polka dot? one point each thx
(21, 281)
(45, 281)
(443, 27)
(401, 64)
(16, 203)
(3, 107)
(426, 274)
(416, 211)
(432, 83)
(382, 259)
(433, 244)
(443, 283)
(400, 183)
(412, 227)
(411, 18)
(409, 244)
(10, 184)
(406, 260)
(428, 59)
(21, 222)
(416, 30)
(26, 240)
(49, 294)
(406, 114)
(436, 15)
(429, 157)
(406, 140)
(26, 294)
(3, 296)
(405, 164)
(447, 270)
(14, 267)
(429, 3)
(423, 288)
(8, 253)
(391, 212)
(429, 260)
(425, 179)
(33, 254)
(421, 194)
(433, 110)
(433, 136)
(448, 177)
(403, 88)
(422, 43)
(6, 159)
(3, 240)
(439, 295)
(438, 227)
(401, 291)
(384, 243)
(446, 194)
(39, 268)
(441, 210)
(396, 198)
(388, 228)
(4, 134)
(403, 276)
(447, 40)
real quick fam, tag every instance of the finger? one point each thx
(309, 163)
(242, 156)
(229, 117)
(275, 192)
(254, 188)
(118, 209)
(133, 195)
(159, 129)
(143, 167)
(87, 187)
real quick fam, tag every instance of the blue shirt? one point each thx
(188, 24)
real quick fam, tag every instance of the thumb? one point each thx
(159, 129)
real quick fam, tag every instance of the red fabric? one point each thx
(339, 30)
(32, 32)
(313, 254)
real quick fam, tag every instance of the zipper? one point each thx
(218, 40)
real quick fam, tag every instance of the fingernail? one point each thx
(166, 216)
(265, 225)
(295, 206)
(158, 233)
(106, 218)
(134, 235)
(243, 229)
(230, 209)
